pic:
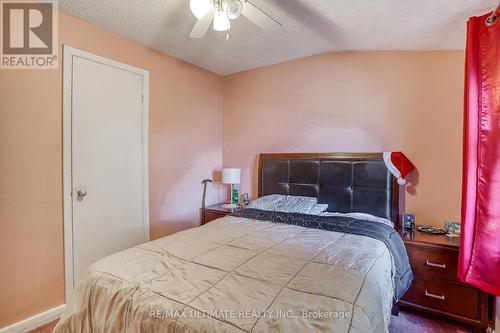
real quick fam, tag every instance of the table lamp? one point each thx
(231, 176)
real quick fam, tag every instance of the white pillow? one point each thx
(284, 203)
(317, 209)
(361, 216)
(296, 204)
(267, 202)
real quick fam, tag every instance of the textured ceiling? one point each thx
(308, 27)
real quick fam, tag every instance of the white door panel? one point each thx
(107, 161)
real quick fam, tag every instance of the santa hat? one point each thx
(399, 165)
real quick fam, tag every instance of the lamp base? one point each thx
(230, 206)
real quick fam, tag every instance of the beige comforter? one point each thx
(238, 275)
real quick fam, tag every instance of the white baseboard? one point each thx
(35, 321)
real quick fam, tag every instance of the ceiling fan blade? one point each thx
(201, 26)
(259, 17)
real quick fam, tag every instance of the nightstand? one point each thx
(210, 213)
(436, 288)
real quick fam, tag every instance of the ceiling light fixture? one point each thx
(221, 21)
(220, 11)
(234, 9)
(200, 8)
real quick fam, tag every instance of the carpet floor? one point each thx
(417, 322)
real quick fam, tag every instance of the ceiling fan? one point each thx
(221, 11)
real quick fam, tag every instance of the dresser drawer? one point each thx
(210, 216)
(444, 296)
(433, 263)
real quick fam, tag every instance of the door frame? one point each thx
(69, 54)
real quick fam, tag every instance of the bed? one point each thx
(261, 271)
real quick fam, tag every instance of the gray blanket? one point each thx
(389, 236)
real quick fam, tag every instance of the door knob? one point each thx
(81, 193)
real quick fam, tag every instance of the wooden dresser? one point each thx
(436, 289)
(210, 213)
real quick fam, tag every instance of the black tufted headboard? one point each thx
(347, 182)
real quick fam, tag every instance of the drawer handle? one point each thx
(433, 264)
(440, 297)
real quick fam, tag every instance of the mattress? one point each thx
(238, 275)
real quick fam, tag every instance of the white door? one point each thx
(108, 167)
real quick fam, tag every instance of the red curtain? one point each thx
(479, 261)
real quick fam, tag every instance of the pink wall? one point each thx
(355, 102)
(185, 147)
